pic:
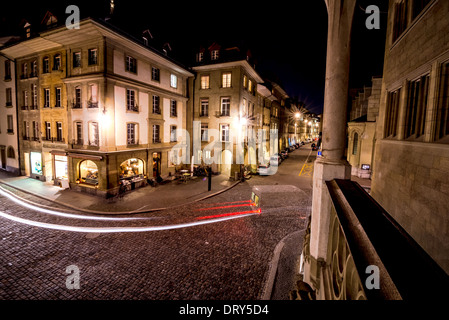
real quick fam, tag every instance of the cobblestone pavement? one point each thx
(226, 260)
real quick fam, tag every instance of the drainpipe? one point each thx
(105, 90)
(193, 156)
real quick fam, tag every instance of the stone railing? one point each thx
(340, 276)
(369, 255)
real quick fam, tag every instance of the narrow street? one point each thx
(223, 260)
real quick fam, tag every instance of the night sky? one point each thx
(287, 38)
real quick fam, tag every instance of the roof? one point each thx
(89, 27)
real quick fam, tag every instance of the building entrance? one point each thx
(3, 158)
(156, 164)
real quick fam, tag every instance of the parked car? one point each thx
(263, 169)
(297, 145)
(284, 154)
(275, 160)
(291, 149)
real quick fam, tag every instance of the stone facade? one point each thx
(362, 129)
(95, 103)
(225, 99)
(411, 164)
(9, 131)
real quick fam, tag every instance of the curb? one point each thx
(273, 267)
(118, 212)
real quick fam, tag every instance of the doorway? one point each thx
(226, 162)
(156, 164)
(27, 164)
(3, 158)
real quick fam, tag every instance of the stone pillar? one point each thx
(332, 164)
(337, 78)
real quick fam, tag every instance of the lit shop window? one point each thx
(173, 158)
(36, 163)
(61, 171)
(131, 168)
(88, 172)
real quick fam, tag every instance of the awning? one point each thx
(58, 153)
(85, 156)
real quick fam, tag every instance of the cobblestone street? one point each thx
(226, 260)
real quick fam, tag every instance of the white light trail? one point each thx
(62, 214)
(116, 229)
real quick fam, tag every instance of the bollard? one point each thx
(209, 180)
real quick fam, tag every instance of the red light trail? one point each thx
(258, 211)
(231, 206)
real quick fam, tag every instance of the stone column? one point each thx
(332, 164)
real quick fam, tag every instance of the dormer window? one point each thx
(27, 29)
(146, 37)
(200, 57)
(214, 55)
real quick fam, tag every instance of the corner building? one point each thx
(106, 108)
(225, 98)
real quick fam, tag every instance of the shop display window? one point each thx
(131, 171)
(36, 162)
(88, 172)
(61, 169)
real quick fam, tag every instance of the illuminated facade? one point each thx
(9, 152)
(99, 108)
(362, 129)
(225, 99)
